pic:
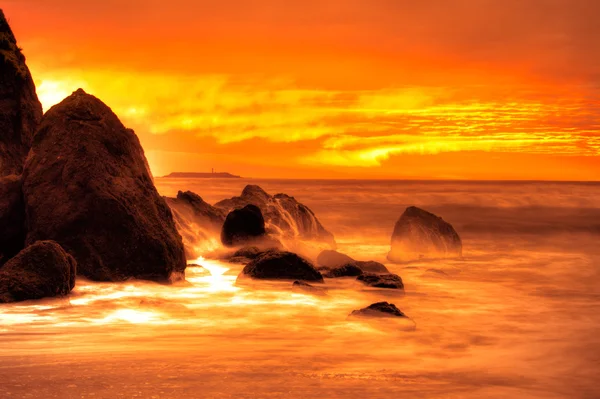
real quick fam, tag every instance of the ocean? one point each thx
(517, 316)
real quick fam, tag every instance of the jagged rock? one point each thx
(197, 221)
(348, 270)
(283, 215)
(305, 288)
(420, 234)
(381, 280)
(281, 265)
(87, 185)
(12, 217)
(331, 258)
(243, 226)
(41, 270)
(20, 109)
(379, 309)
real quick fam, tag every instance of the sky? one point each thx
(382, 89)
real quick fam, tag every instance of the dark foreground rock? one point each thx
(379, 309)
(281, 265)
(284, 216)
(197, 221)
(331, 258)
(381, 280)
(421, 234)
(20, 109)
(243, 226)
(87, 185)
(12, 217)
(41, 270)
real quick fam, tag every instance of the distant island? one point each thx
(188, 175)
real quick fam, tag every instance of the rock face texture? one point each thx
(12, 217)
(41, 270)
(420, 234)
(243, 226)
(20, 109)
(392, 281)
(197, 221)
(284, 216)
(276, 265)
(87, 185)
(379, 309)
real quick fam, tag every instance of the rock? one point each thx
(381, 280)
(305, 288)
(281, 265)
(283, 215)
(41, 270)
(87, 185)
(420, 234)
(197, 221)
(348, 270)
(371, 266)
(331, 258)
(243, 226)
(379, 309)
(20, 109)
(12, 217)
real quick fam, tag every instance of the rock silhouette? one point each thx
(87, 185)
(20, 109)
(392, 281)
(243, 226)
(283, 215)
(196, 220)
(379, 309)
(421, 234)
(12, 217)
(281, 265)
(41, 270)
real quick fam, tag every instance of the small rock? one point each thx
(379, 309)
(381, 280)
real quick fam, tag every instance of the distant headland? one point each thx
(193, 175)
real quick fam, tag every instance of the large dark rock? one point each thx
(197, 221)
(12, 217)
(243, 226)
(87, 185)
(347, 270)
(284, 216)
(379, 309)
(20, 109)
(420, 234)
(381, 280)
(41, 270)
(276, 265)
(331, 258)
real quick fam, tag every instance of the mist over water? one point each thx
(517, 317)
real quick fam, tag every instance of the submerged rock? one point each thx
(20, 109)
(197, 221)
(41, 270)
(283, 215)
(305, 288)
(243, 226)
(381, 280)
(348, 270)
(421, 234)
(331, 258)
(12, 217)
(87, 185)
(281, 265)
(379, 309)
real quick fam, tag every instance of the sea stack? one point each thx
(87, 186)
(421, 234)
(20, 109)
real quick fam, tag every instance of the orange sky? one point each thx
(435, 89)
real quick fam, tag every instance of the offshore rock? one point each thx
(20, 109)
(41, 270)
(243, 226)
(392, 281)
(87, 185)
(379, 309)
(281, 265)
(331, 258)
(421, 234)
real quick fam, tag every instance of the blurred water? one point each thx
(517, 317)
